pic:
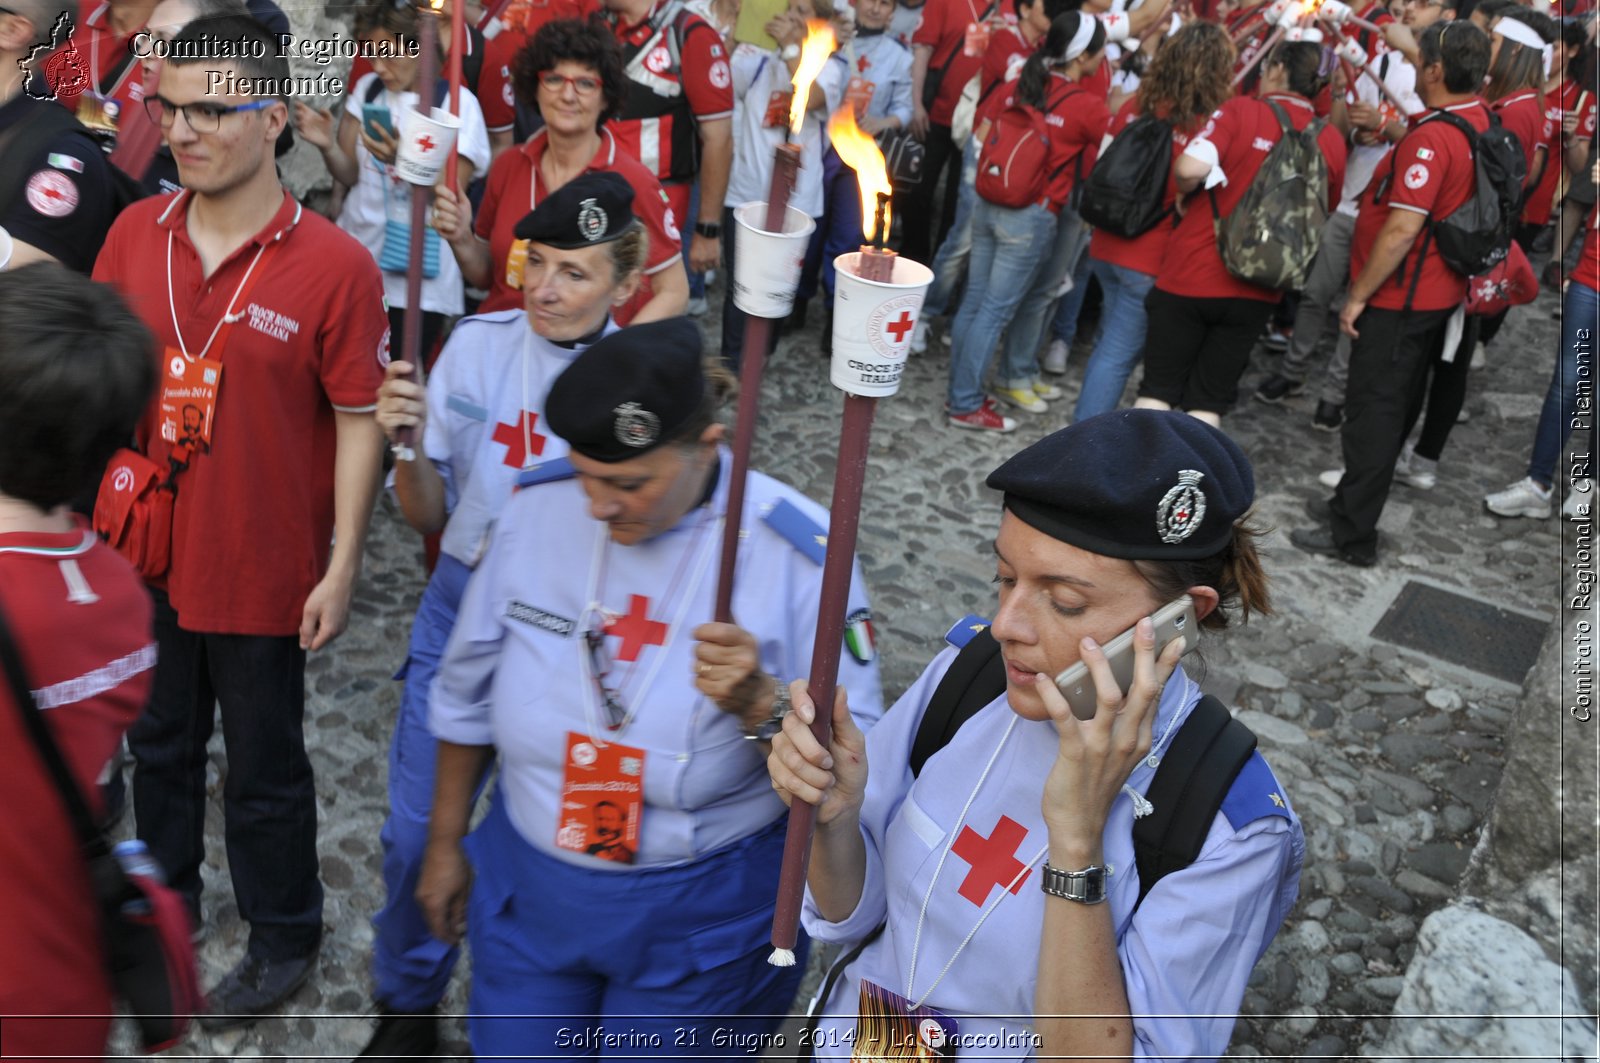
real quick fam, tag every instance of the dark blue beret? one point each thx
(1136, 484)
(592, 208)
(631, 392)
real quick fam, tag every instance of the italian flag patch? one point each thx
(858, 637)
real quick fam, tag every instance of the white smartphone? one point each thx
(1173, 620)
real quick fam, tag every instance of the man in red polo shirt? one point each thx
(1398, 318)
(678, 120)
(280, 317)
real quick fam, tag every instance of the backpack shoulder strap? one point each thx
(374, 86)
(976, 677)
(1188, 790)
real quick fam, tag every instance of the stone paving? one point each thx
(1391, 758)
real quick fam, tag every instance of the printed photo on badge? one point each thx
(602, 799)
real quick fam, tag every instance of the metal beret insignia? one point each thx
(1181, 509)
(636, 426)
(592, 220)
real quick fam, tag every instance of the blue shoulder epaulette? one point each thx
(803, 533)
(962, 631)
(1255, 793)
(546, 472)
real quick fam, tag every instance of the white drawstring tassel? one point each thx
(1141, 807)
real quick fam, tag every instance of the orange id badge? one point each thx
(602, 799)
(189, 400)
(777, 110)
(516, 260)
(859, 92)
(977, 40)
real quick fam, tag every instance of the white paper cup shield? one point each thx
(872, 323)
(425, 145)
(766, 264)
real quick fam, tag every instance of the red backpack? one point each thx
(1011, 163)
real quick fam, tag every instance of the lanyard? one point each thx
(230, 315)
(591, 700)
(94, 59)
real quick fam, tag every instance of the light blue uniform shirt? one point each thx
(1187, 952)
(884, 61)
(493, 369)
(517, 675)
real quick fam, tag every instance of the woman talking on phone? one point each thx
(1020, 826)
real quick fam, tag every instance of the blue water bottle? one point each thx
(135, 858)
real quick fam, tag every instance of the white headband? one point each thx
(1080, 40)
(1516, 30)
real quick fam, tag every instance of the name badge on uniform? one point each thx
(516, 261)
(602, 799)
(188, 401)
(859, 92)
(100, 113)
(889, 1028)
(777, 110)
(977, 39)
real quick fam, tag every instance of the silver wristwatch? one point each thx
(1086, 887)
(768, 729)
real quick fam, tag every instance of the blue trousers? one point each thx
(1580, 320)
(950, 264)
(1122, 329)
(573, 963)
(837, 231)
(410, 967)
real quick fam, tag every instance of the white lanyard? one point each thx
(591, 700)
(229, 316)
(922, 915)
(94, 60)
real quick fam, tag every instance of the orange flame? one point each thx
(860, 152)
(814, 52)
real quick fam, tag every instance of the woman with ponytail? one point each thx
(1204, 321)
(1016, 251)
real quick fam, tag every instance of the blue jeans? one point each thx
(1064, 326)
(838, 230)
(410, 967)
(1006, 247)
(951, 261)
(1121, 337)
(1059, 254)
(1575, 362)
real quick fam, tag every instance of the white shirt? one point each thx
(517, 673)
(757, 75)
(1188, 951)
(1401, 78)
(379, 195)
(493, 369)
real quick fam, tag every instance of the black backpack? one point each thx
(1194, 778)
(1476, 237)
(1124, 192)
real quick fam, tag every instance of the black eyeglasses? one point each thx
(202, 117)
(600, 669)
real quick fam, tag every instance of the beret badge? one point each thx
(592, 220)
(636, 426)
(1181, 509)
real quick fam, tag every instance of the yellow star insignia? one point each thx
(978, 627)
(1276, 800)
(822, 540)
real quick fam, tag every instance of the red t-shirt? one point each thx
(945, 27)
(514, 179)
(253, 522)
(1523, 114)
(1244, 131)
(1431, 172)
(1146, 251)
(1077, 119)
(1588, 271)
(495, 95)
(1541, 200)
(81, 619)
(703, 75)
(1247, 48)
(104, 64)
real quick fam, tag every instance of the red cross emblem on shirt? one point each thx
(862, 62)
(900, 326)
(993, 859)
(520, 439)
(636, 629)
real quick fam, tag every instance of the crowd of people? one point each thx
(1215, 176)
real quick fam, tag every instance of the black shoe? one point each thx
(796, 321)
(254, 988)
(1319, 510)
(1276, 388)
(403, 1035)
(827, 334)
(1328, 417)
(1319, 540)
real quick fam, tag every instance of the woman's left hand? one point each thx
(1096, 756)
(727, 668)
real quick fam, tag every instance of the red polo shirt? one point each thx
(944, 28)
(515, 187)
(253, 521)
(1588, 271)
(1541, 198)
(1244, 131)
(702, 74)
(104, 59)
(1431, 172)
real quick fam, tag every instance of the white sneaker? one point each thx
(1055, 359)
(1525, 498)
(1582, 494)
(1048, 392)
(919, 337)
(1331, 478)
(1414, 471)
(697, 306)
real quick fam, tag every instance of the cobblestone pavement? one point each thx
(1390, 757)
